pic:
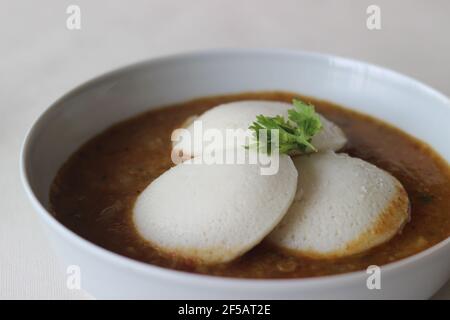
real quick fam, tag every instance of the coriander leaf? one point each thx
(292, 134)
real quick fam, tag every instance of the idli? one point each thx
(214, 213)
(343, 206)
(239, 116)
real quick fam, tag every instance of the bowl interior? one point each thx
(89, 109)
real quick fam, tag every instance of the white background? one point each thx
(40, 60)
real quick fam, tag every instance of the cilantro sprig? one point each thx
(294, 134)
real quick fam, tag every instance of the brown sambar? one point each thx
(95, 190)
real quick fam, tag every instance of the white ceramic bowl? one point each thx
(94, 106)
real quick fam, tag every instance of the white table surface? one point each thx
(40, 59)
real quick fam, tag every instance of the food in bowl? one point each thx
(95, 193)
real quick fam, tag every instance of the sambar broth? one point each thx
(94, 192)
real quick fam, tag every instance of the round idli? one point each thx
(239, 116)
(343, 206)
(214, 213)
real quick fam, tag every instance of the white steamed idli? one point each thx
(343, 206)
(240, 115)
(214, 213)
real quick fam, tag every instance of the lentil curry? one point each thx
(94, 192)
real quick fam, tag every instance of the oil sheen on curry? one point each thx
(108, 191)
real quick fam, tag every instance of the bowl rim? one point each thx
(189, 277)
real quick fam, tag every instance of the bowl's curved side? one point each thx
(81, 114)
(107, 278)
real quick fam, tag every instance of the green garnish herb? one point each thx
(294, 134)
